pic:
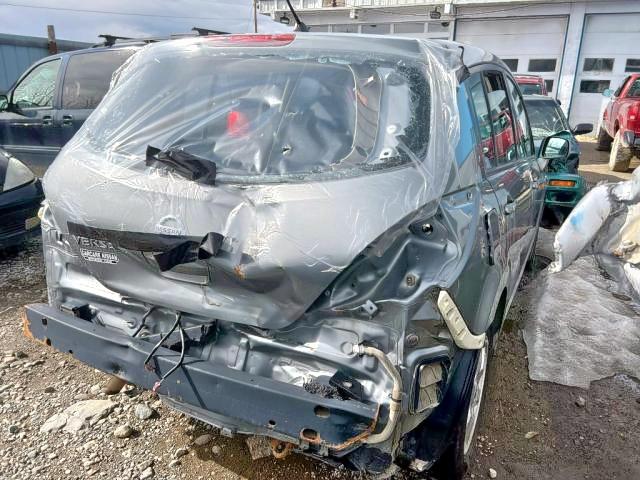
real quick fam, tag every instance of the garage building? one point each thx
(580, 48)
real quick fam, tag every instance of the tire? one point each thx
(620, 157)
(453, 463)
(604, 140)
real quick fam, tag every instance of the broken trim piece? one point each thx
(460, 333)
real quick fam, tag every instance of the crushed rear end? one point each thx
(253, 229)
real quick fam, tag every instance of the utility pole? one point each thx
(51, 40)
(255, 16)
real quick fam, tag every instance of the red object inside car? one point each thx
(237, 124)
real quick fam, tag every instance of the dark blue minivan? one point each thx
(52, 99)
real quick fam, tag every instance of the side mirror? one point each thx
(554, 148)
(4, 103)
(582, 129)
(608, 92)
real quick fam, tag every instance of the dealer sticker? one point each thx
(98, 256)
(96, 251)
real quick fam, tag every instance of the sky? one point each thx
(85, 20)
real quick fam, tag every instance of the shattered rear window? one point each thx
(272, 114)
(546, 118)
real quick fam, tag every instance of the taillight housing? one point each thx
(562, 183)
(633, 117)
(251, 40)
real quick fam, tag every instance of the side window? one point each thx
(634, 90)
(521, 123)
(88, 76)
(465, 145)
(483, 119)
(621, 87)
(502, 118)
(37, 89)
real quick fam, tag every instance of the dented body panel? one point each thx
(345, 301)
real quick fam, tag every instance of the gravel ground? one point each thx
(530, 429)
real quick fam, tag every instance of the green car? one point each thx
(565, 187)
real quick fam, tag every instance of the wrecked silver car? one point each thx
(308, 237)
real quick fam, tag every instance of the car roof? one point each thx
(539, 98)
(98, 48)
(471, 55)
(112, 42)
(524, 78)
(383, 44)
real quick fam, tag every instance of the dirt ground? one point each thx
(579, 434)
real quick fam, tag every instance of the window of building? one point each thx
(633, 65)
(408, 27)
(88, 76)
(319, 28)
(549, 85)
(542, 65)
(377, 28)
(438, 27)
(598, 64)
(512, 63)
(594, 86)
(345, 28)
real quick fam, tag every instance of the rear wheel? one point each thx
(604, 140)
(620, 155)
(454, 462)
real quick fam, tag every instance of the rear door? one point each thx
(28, 131)
(510, 168)
(496, 229)
(86, 80)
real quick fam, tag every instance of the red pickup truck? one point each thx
(531, 84)
(620, 129)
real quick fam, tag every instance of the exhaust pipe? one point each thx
(396, 392)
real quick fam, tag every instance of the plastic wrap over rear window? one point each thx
(272, 114)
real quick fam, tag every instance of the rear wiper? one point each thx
(183, 163)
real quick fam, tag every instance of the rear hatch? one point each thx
(236, 181)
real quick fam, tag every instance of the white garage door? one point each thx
(610, 51)
(527, 45)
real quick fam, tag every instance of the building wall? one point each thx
(17, 53)
(532, 29)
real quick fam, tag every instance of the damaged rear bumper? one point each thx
(254, 404)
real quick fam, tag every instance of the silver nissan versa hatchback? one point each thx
(308, 237)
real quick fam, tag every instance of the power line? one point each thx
(109, 12)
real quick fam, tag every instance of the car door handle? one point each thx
(490, 217)
(509, 207)
(47, 120)
(26, 124)
(67, 120)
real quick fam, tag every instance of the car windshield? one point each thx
(269, 113)
(530, 88)
(546, 118)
